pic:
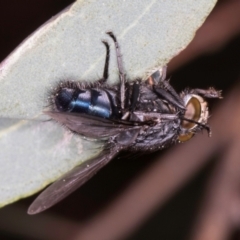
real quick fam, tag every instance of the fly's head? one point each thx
(196, 115)
(191, 105)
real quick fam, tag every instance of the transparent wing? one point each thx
(71, 181)
(90, 126)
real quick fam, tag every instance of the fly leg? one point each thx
(135, 96)
(207, 93)
(201, 125)
(120, 69)
(163, 89)
(151, 118)
(170, 95)
(106, 65)
(132, 101)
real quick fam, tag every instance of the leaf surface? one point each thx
(68, 47)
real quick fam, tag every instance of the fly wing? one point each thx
(90, 126)
(71, 181)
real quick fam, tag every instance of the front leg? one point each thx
(151, 117)
(171, 97)
(207, 93)
(163, 89)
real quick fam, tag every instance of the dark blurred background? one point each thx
(213, 58)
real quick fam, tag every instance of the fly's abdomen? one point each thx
(96, 102)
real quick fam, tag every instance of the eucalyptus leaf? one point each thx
(68, 47)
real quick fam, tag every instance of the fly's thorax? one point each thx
(197, 111)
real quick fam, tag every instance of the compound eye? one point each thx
(193, 112)
(197, 110)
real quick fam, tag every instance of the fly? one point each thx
(131, 115)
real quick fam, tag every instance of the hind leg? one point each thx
(120, 69)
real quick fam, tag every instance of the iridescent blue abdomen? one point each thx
(92, 101)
